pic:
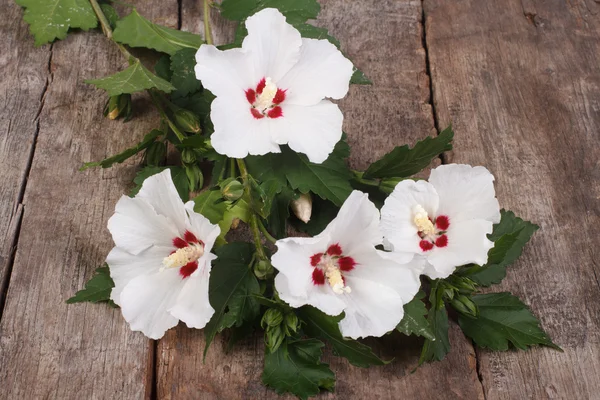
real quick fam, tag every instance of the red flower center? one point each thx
(188, 240)
(265, 100)
(438, 238)
(331, 266)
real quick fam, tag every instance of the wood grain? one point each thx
(48, 349)
(384, 39)
(24, 71)
(521, 83)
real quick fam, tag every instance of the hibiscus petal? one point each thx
(397, 225)
(159, 191)
(321, 296)
(357, 223)
(322, 71)
(237, 132)
(201, 227)
(467, 243)
(224, 73)
(136, 226)
(192, 305)
(146, 299)
(465, 192)
(312, 130)
(372, 309)
(272, 43)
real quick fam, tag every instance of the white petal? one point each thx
(136, 226)
(146, 299)
(200, 226)
(274, 45)
(322, 71)
(125, 266)
(192, 305)
(372, 309)
(237, 132)
(467, 243)
(465, 192)
(356, 225)
(159, 191)
(321, 297)
(397, 225)
(224, 73)
(312, 130)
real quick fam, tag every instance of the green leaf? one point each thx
(96, 289)
(329, 180)
(295, 11)
(403, 161)
(414, 321)
(110, 13)
(315, 32)
(136, 31)
(279, 214)
(232, 288)
(51, 19)
(510, 236)
(296, 368)
(183, 76)
(177, 174)
(163, 67)
(134, 78)
(325, 327)
(209, 203)
(124, 155)
(503, 318)
(199, 103)
(359, 78)
(323, 213)
(240, 210)
(436, 350)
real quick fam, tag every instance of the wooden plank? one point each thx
(24, 71)
(520, 82)
(49, 349)
(384, 38)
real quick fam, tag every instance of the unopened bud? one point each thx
(263, 269)
(235, 223)
(302, 207)
(118, 106)
(273, 338)
(155, 154)
(291, 322)
(464, 305)
(188, 156)
(187, 121)
(195, 177)
(387, 185)
(232, 189)
(272, 317)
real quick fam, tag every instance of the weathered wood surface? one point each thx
(521, 83)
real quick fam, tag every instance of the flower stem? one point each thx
(232, 171)
(158, 103)
(108, 31)
(253, 219)
(266, 233)
(207, 30)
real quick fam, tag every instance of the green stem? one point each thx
(207, 30)
(266, 233)
(232, 172)
(253, 219)
(108, 31)
(158, 103)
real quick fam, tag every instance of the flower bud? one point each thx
(155, 154)
(187, 121)
(272, 317)
(464, 305)
(195, 177)
(291, 322)
(302, 207)
(118, 106)
(188, 156)
(232, 189)
(273, 338)
(263, 269)
(387, 185)
(235, 223)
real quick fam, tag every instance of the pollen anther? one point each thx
(422, 221)
(183, 256)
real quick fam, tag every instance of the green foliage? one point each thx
(436, 350)
(134, 78)
(359, 78)
(178, 175)
(136, 31)
(322, 213)
(280, 212)
(110, 13)
(295, 11)
(325, 327)
(510, 237)
(329, 180)
(51, 19)
(403, 161)
(183, 76)
(231, 289)
(296, 368)
(415, 321)
(148, 140)
(503, 318)
(210, 204)
(97, 289)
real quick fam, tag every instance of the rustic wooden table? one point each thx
(519, 80)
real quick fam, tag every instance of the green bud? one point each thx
(232, 190)
(187, 121)
(119, 106)
(195, 177)
(188, 156)
(464, 305)
(155, 154)
(465, 285)
(272, 317)
(274, 336)
(263, 269)
(291, 322)
(449, 293)
(387, 185)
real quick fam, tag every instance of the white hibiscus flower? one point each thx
(270, 92)
(447, 219)
(162, 260)
(341, 270)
